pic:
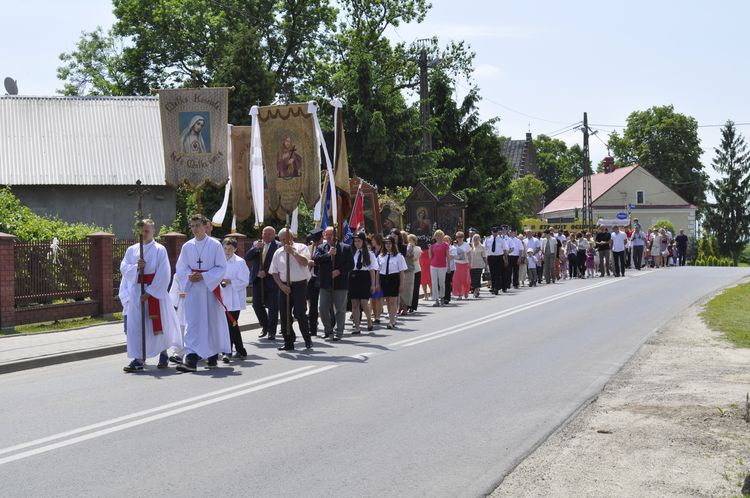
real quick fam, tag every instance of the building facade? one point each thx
(77, 158)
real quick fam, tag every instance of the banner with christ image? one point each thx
(290, 155)
(193, 125)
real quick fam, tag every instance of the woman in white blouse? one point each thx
(363, 282)
(392, 267)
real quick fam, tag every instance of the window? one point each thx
(640, 196)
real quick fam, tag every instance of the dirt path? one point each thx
(669, 424)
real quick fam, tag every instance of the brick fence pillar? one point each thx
(7, 282)
(174, 241)
(101, 272)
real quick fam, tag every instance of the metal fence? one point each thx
(51, 272)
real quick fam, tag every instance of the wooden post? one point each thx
(7, 282)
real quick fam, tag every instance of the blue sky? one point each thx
(548, 59)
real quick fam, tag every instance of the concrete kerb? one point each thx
(83, 354)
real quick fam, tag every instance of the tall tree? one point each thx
(728, 216)
(666, 143)
(527, 194)
(559, 166)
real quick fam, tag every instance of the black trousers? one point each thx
(682, 253)
(267, 298)
(235, 336)
(313, 293)
(638, 257)
(496, 276)
(511, 273)
(572, 265)
(448, 286)
(581, 262)
(417, 290)
(296, 308)
(619, 257)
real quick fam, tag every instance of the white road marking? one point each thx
(159, 416)
(175, 408)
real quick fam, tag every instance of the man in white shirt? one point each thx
(515, 251)
(618, 251)
(292, 283)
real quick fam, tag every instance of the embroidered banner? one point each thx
(193, 127)
(290, 156)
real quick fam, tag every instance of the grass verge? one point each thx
(729, 313)
(58, 325)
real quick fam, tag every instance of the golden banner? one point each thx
(194, 133)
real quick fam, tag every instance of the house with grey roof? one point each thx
(77, 158)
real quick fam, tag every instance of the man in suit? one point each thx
(265, 291)
(333, 262)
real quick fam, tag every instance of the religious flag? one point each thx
(357, 219)
(326, 204)
(348, 234)
(340, 156)
(194, 134)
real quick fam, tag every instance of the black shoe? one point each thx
(225, 358)
(357, 332)
(263, 334)
(133, 366)
(376, 321)
(176, 359)
(185, 367)
(308, 345)
(286, 348)
(270, 338)
(211, 364)
(240, 356)
(326, 336)
(369, 328)
(336, 339)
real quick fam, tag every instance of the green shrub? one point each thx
(19, 220)
(666, 224)
(745, 255)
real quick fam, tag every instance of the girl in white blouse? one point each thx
(392, 267)
(363, 281)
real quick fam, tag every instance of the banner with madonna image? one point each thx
(194, 133)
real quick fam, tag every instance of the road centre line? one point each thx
(142, 413)
(207, 399)
(159, 416)
(496, 315)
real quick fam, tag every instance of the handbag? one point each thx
(665, 253)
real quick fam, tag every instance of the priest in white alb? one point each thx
(162, 328)
(200, 270)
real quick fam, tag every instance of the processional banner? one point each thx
(290, 155)
(194, 133)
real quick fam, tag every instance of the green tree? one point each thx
(527, 194)
(666, 143)
(728, 217)
(559, 166)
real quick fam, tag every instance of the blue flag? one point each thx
(348, 234)
(326, 205)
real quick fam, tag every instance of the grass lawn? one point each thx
(744, 265)
(70, 323)
(729, 313)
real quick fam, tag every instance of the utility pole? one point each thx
(424, 96)
(588, 214)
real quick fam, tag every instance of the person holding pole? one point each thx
(265, 292)
(290, 270)
(146, 270)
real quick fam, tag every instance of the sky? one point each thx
(539, 64)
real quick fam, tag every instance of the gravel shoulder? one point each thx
(670, 423)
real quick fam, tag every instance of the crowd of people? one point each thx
(378, 279)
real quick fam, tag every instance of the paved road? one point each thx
(444, 406)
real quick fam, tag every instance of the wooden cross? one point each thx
(139, 189)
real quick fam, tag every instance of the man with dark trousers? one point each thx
(682, 245)
(515, 251)
(313, 285)
(265, 290)
(333, 261)
(495, 245)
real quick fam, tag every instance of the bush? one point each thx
(666, 224)
(745, 255)
(700, 262)
(19, 220)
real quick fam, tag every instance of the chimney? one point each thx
(609, 164)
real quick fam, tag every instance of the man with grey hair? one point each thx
(265, 291)
(292, 283)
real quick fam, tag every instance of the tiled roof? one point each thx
(514, 150)
(600, 183)
(80, 141)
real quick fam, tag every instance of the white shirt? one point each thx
(533, 244)
(234, 295)
(417, 255)
(618, 241)
(516, 247)
(500, 246)
(297, 271)
(395, 264)
(452, 252)
(531, 261)
(373, 262)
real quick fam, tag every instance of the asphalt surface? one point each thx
(444, 406)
